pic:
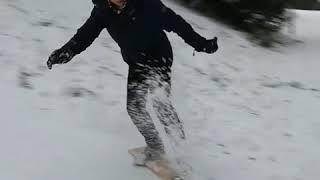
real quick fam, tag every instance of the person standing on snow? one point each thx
(138, 28)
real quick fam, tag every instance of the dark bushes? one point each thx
(262, 19)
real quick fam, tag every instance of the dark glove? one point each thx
(60, 56)
(208, 46)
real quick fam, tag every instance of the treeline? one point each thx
(305, 4)
(262, 19)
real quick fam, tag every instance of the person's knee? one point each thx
(161, 102)
(136, 107)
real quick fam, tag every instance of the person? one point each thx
(138, 28)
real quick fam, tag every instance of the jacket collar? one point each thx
(107, 5)
(117, 10)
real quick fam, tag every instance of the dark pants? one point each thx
(152, 77)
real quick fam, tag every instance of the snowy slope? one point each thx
(250, 113)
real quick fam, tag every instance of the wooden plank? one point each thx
(161, 168)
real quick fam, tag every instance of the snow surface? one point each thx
(250, 113)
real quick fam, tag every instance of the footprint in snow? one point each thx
(24, 78)
(291, 84)
(78, 92)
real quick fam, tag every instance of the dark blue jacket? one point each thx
(138, 29)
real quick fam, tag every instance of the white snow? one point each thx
(250, 113)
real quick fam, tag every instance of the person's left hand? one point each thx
(211, 46)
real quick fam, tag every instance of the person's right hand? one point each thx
(60, 56)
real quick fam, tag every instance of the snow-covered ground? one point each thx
(250, 113)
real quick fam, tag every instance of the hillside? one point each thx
(250, 113)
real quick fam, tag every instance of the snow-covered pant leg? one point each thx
(137, 92)
(162, 104)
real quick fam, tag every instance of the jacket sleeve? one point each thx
(174, 22)
(86, 34)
